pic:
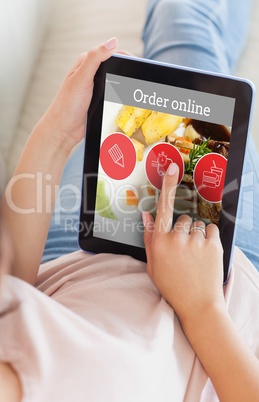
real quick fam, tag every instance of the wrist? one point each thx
(43, 152)
(58, 140)
(199, 319)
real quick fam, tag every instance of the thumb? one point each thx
(148, 223)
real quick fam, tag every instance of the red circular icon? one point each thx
(118, 156)
(209, 176)
(158, 160)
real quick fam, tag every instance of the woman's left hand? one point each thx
(46, 151)
(65, 118)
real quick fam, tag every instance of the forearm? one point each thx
(231, 366)
(30, 199)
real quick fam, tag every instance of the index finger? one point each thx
(164, 217)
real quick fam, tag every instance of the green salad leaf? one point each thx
(196, 153)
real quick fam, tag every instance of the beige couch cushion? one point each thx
(23, 24)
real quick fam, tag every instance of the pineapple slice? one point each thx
(130, 119)
(191, 133)
(158, 125)
(139, 149)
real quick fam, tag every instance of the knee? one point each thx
(174, 9)
(188, 12)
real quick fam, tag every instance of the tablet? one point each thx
(143, 116)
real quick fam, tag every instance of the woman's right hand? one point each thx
(184, 263)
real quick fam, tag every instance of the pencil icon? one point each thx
(116, 155)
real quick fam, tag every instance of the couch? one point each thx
(40, 39)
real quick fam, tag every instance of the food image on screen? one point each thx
(192, 138)
(138, 142)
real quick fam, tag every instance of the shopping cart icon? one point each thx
(212, 178)
(117, 155)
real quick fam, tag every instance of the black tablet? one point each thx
(143, 116)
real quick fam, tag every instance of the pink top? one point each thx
(96, 329)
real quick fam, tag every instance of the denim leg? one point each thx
(247, 231)
(186, 33)
(204, 34)
(63, 232)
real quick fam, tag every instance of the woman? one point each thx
(95, 327)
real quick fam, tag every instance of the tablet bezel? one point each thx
(162, 73)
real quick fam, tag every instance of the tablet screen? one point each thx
(145, 127)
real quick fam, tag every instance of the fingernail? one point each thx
(172, 169)
(111, 43)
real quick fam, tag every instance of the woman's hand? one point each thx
(65, 119)
(29, 202)
(186, 264)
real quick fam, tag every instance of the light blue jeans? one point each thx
(204, 34)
